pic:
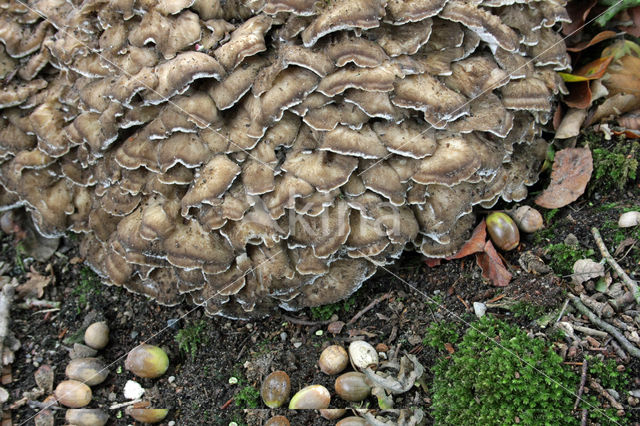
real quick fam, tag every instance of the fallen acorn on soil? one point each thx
(90, 371)
(275, 389)
(503, 231)
(333, 360)
(352, 421)
(73, 394)
(314, 397)
(352, 386)
(332, 413)
(277, 421)
(86, 417)
(528, 219)
(96, 336)
(362, 355)
(147, 415)
(147, 361)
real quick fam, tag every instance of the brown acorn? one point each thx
(73, 394)
(352, 386)
(147, 361)
(90, 371)
(147, 415)
(277, 421)
(528, 219)
(275, 389)
(503, 231)
(96, 336)
(86, 417)
(333, 360)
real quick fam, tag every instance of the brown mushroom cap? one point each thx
(251, 155)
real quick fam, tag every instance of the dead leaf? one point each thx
(34, 287)
(432, 262)
(571, 123)
(628, 133)
(634, 15)
(591, 71)
(615, 106)
(335, 327)
(578, 11)
(624, 76)
(492, 267)
(449, 348)
(631, 120)
(585, 269)
(475, 244)
(579, 95)
(44, 378)
(604, 35)
(571, 172)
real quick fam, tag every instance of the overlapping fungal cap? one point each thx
(245, 155)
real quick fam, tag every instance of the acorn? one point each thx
(275, 389)
(352, 386)
(314, 397)
(96, 335)
(503, 231)
(332, 413)
(333, 360)
(147, 415)
(528, 219)
(277, 421)
(362, 355)
(147, 361)
(90, 371)
(352, 421)
(86, 417)
(73, 394)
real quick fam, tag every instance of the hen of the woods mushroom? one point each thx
(251, 154)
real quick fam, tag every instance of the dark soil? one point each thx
(197, 389)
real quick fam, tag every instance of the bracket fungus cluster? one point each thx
(252, 154)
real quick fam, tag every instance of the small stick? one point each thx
(602, 391)
(6, 298)
(583, 421)
(124, 404)
(466, 305)
(633, 287)
(226, 404)
(589, 331)
(622, 354)
(368, 307)
(564, 308)
(628, 346)
(583, 380)
(38, 303)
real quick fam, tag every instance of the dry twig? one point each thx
(602, 391)
(6, 297)
(368, 307)
(633, 287)
(583, 380)
(628, 346)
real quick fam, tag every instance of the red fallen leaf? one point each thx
(579, 95)
(449, 348)
(475, 243)
(572, 168)
(628, 133)
(492, 267)
(604, 35)
(630, 120)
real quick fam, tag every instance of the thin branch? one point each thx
(633, 287)
(368, 307)
(633, 350)
(583, 380)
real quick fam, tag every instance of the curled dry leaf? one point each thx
(492, 267)
(601, 36)
(579, 95)
(34, 287)
(615, 106)
(585, 269)
(571, 172)
(476, 242)
(571, 123)
(624, 76)
(631, 120)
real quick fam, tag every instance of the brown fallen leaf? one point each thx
(578, 11)
(579, 95)
(34, 287)
(614, 106)
(475, 243)
(571, 123)
(634, 15)
(624, 76)
(492, 267)
(571, 172)
(631, 120)
(601, 36)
